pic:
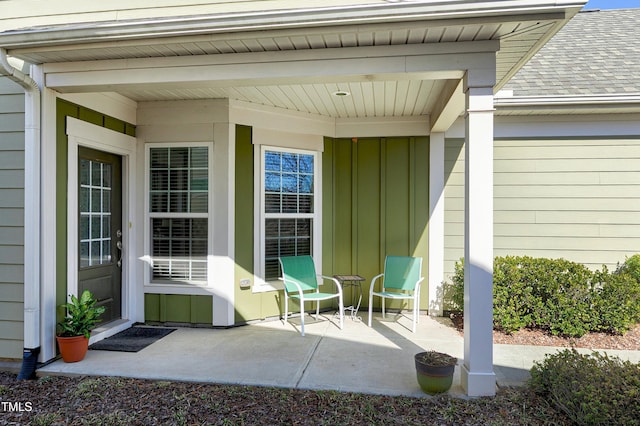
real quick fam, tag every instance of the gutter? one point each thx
(631, 100)
(278, 19)
(31, 215)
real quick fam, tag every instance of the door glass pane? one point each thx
(95, 213)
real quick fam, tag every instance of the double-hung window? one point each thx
(178, 214)
(289, 206)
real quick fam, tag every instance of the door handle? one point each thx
(119, 247)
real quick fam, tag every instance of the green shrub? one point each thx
(562, 297)
(513, 301)
(590, 389)
(631, 266)
(457, 295)
(617, 301)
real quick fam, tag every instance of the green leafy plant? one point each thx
(631, 266)
(81, 316)
(617, 301)
(559, 296)
(457, 294)
(591, 389)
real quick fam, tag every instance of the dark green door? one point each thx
(100, 229)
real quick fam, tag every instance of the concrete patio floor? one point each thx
(377, 360)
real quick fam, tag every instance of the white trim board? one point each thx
(558, 126)
(81, 133)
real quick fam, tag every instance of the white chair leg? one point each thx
(286, 309)
(341, 307)
(302, 317)
(415, 314)
(317, 310)
(370, 307)
(418, 303)
(383, 308)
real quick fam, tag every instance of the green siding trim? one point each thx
(66, 109)
(247, 304)
(178, 308)
(375, 203)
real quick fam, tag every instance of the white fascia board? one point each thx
(573, 101)
(261, 20)
(543, 126)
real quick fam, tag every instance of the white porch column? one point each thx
(223, 218)
(436, 223)
(478, 378)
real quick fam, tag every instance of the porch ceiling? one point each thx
(520, 34)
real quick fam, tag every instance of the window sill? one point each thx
(178, 289)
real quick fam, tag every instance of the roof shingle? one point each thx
(597, 52)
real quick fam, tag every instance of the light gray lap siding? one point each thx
(576, 199)
(11, 219)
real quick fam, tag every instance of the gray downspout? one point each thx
(31, 215)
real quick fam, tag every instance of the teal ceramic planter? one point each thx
(434, 379)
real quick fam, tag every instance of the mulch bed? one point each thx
(630, 341)
(122, 401)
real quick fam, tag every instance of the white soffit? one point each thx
(520, 26)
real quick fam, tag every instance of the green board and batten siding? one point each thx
(374, 202)
(572, 198)
(178, 308)
(11, 219)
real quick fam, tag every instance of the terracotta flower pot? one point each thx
(434, 376)
(73, 349)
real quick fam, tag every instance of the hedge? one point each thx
(559, 296)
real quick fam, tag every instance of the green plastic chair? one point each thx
(301, 282)
(401, 280)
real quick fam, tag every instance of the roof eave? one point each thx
(574, 103)
(280, 19)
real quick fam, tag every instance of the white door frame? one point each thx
(82, 133)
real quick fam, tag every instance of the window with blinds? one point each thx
(178, 213)
(288, 208)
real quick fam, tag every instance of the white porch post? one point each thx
(436, 223)
(478, 378)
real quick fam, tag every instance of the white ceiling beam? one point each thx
(274, 56)
(375, 63)
(449, 107)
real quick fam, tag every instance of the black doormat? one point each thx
(132, 339)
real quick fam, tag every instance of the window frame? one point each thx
(260, 217)
(176, 287)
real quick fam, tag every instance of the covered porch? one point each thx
(294, 76)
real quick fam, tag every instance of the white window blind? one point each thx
(178, 213)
